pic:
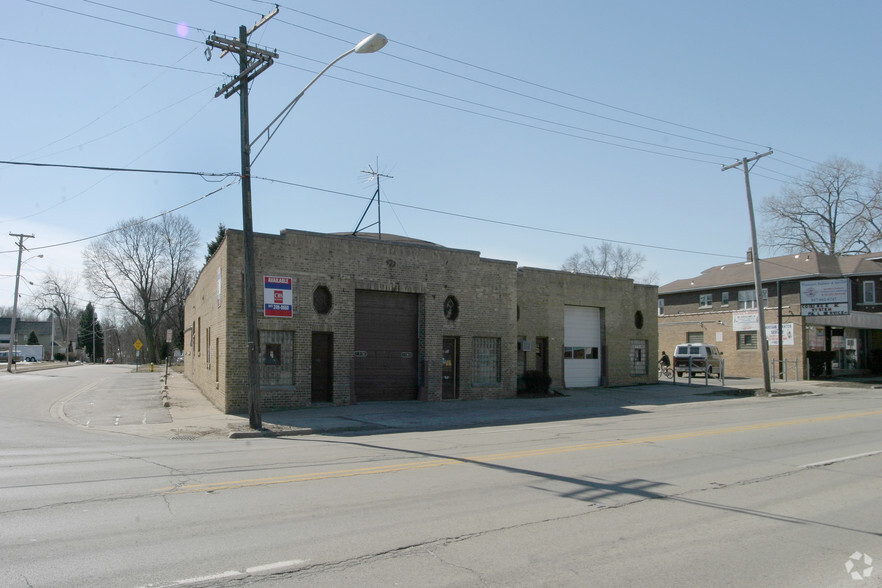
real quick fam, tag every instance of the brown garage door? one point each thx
(386, 351)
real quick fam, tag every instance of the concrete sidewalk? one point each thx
(193, 416)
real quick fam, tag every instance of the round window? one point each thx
(451, 308)
(321, 300)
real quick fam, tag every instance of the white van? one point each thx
(698, 358)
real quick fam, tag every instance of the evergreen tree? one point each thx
(32, 339)
(212, 247)
(89, 323)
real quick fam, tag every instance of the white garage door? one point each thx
(581, 346)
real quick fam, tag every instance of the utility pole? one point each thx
(21, 239)
(757, 279)
(252, 62)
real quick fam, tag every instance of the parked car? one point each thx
(108, 360)
(698, 358)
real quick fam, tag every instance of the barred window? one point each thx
(747, 340)
(488, 360)
(276, 358)
(639, 357)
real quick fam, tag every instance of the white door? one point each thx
(581, 346)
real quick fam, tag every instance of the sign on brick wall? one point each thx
(278, 297)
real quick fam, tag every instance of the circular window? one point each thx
(451, 308)
(638, 319)
(321, 300)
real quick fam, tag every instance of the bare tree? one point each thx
(140, 266)
(55, 295)
(608, 259)
(832, 209)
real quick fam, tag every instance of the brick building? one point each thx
(719, 307)
(356, 318)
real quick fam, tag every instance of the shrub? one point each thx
(536, 382)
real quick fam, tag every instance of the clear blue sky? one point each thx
(567, 123)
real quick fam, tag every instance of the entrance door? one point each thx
(450, 369)
(322, 367)
(542, 355)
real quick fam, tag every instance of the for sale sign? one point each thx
(278, 296)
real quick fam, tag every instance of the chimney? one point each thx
(750, 255)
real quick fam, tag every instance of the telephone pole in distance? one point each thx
(21, 239)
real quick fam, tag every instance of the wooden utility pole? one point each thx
(757, 279)
(252, 62)
(9, 359)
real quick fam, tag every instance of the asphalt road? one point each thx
(742, 492)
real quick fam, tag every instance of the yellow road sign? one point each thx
(138, 345)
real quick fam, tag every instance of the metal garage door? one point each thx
(386, 347)
(581, 347)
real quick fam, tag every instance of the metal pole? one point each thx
(781, 368)
(254, 415)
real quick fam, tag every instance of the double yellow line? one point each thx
(496, 457)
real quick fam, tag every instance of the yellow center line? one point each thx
(494, 457)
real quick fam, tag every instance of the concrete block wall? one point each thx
(542, 295)
(495, 300)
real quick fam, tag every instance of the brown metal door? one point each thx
(322, 367)
(450, 368)
(386, 348)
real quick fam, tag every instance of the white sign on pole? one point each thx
(825, 297)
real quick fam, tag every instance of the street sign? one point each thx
(138, 345)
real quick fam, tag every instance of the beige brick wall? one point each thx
(542, 295)
(487, 292)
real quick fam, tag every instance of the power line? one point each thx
(112, 57)
(136, 223)
(472, 80)
(497, 222)
(121, 169)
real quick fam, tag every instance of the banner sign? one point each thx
(278, 297)
(745, 320)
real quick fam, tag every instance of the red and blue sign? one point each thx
(278, 296)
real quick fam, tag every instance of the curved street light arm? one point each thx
(280, 118)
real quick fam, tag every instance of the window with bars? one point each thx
(639, 357)
(488, 360)
(747, 340)
(276, 358)
(695, 337)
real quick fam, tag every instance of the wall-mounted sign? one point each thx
(786, 334)
(278, 297)
(745, 320)
(825, 297)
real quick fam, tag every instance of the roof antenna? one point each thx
(373, 174)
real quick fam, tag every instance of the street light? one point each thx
(251, 62)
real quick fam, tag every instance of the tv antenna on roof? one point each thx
(373, 174)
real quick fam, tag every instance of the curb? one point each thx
(268, 433)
